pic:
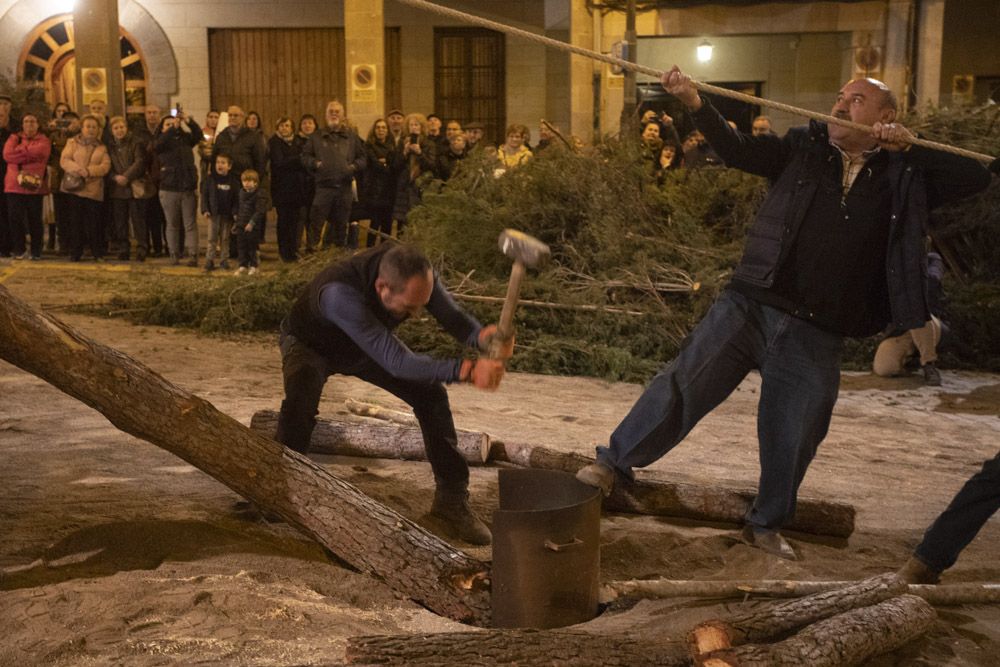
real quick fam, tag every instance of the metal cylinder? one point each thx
(546, 550)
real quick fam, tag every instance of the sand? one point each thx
(115, 552)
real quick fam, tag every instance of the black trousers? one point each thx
(85, 227)
(24, 214)
(381, 221)
(246, 245)
(122, 212)
(5, 241)
(331, 205)
(289, 230)
(156, 223)
(61, 204)
(305, 372)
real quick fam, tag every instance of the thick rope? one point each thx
(704, 87)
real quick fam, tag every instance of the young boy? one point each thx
(250, 214)
(219, 199)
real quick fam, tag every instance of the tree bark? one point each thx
(374, 411)
(850, 638)
(374, 439)
(682, 499)
(364, 533)
(941, 596)
(523, 648)
(777, 618)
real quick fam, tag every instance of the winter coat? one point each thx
(412, 178)
(377, 183)
(128, 159)
(30, 156)
(89, 155)
(219, 194)
(289, 178)
(334, 156)
(174, 148)
(246, 148)
(251, 208)
(920, 179)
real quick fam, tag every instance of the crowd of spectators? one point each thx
(132, 192)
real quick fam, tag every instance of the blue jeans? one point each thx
(800, 377)
(971, 508)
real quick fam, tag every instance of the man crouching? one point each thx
(343, 323)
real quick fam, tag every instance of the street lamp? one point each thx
(704, 51)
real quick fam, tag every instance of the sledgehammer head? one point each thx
(523, 248)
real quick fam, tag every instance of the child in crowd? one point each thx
(250, 214)
(220, 193)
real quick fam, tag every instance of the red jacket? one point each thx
(30, 156)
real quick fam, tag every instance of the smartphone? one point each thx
(414, 139)
(173, 112)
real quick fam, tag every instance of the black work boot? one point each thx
(456, 518)
(915, 571)
(932, 376)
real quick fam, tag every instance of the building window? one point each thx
(469, 78)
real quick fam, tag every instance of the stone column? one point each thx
(581, 73)
(897, 42)
(98, 55)
(364, 37)
(930, 42)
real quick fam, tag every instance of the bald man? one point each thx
(836, 250)
(242, 144)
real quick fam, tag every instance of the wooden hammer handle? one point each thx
(505, 327)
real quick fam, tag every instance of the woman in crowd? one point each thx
(377, 190)
(26, 184)
(69, 127)
(127, 188)
(58, 111)
(175, 140)
(85, 162)
(513, 152)
(419, 157)
(307, 125)
(290, 184)
(254, 123)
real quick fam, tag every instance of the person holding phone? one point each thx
(419, 157)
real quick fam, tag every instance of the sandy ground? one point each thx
(115, 552)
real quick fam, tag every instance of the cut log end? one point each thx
(708, 637)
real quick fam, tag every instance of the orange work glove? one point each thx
(487, 335)
(484, 373)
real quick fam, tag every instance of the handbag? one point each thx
(29, 181)
(140, 188)
(71, 182)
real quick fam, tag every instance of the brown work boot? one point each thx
(598, 475)
(914, 571)
(457, 520)
(768, 540)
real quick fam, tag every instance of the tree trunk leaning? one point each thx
(524, 648)
(373, 439)
(847, 639)
(364, 533)
(772, 620)
(940, 596)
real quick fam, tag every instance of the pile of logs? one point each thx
(396, 436)
(835, 628)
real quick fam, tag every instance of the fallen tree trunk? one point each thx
(524, 648)
(380, 440)
(683, 499)
(364, 533)
(850, 638)
(941, 596)
(769, 621)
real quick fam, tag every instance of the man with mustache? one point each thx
(836, 250)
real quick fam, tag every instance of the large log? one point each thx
(847, 639)
(769, 621)
(682, 499)
(524, 648)
(941, 596)
(374, 439)
(364, 533)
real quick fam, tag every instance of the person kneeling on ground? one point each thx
(343, 323)
(894, 353)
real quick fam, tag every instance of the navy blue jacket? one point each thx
(921, 179)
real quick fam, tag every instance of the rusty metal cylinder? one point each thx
(546, 550)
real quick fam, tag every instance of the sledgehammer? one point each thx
(525, 251)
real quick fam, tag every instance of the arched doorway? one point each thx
(48, 60)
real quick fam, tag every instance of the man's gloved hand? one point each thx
(484, 373)
(486, 336)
